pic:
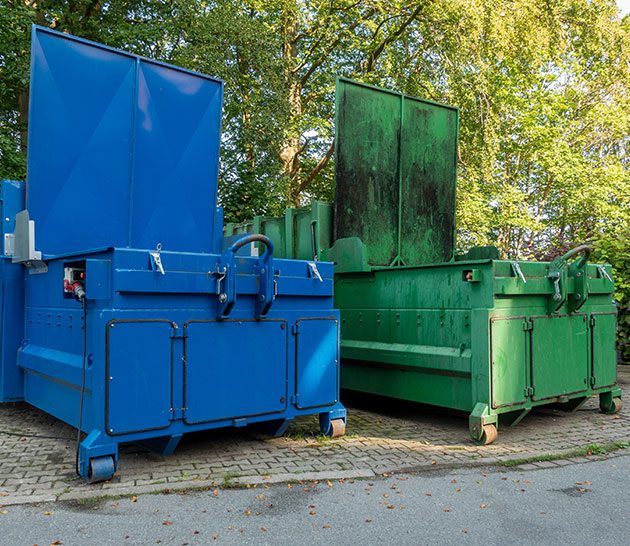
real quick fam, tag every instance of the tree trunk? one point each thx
(290, 147)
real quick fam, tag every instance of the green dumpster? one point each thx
(489, 337)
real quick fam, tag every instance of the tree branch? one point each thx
(320, 165)
(377, 52)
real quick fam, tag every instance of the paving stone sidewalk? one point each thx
(37, 451)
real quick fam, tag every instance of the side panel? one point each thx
(317, 362)
(509, 351)
(559, 355)
(234, 369)
(138, 376)
(604, 355)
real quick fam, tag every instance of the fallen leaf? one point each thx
(453, 481)
(56, 543)
(134, 499)
(446, 509)
(385, 495)
(433, 462)
(458, 489)
(215, 493)
(289, 486)
(263, 529)
(215, 537)
(390, 507)
(3, 512)
(368, 521)
(587, 482)
(248, 512)
(325, 526)
(167, 491)
(428, 494)
(504, 478)
(465, 531)
(483, 505)
(312, 513)
(167, 522)
(260, 497)
(195, 532)
(48, 513)
(329, 483)
(311, 506)
(3, 494)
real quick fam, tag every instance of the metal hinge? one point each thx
(294, 399)
(593, 380)
(528, 324)
(592, 321)
(294, 329)
(529, 391)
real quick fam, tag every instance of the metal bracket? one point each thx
(314, 272)
(24, 244)
(9, 244)
(603, 273)
(156, 260)
(517, 271)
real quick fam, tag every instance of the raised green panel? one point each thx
(429, 165)
(395, 170)
(367, 131)
(604, 354)
(559, 355)
(508, 359)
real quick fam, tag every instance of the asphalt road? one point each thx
(581, 504)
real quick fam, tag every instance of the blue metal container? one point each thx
(140, 322)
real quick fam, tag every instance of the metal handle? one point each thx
(253, 238)
(581, 249)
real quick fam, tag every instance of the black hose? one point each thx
(83, 362)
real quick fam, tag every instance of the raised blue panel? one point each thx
(234, 369)
(122, 151)
(176, 159)
(317, 362)
(138, 376)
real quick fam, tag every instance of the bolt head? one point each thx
(222, 298)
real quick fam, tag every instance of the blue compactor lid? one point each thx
(122, 151)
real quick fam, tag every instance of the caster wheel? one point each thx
(338, 427)
(488, 436)
(615, 407)
(101, 469)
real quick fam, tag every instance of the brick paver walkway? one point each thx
(37, 451)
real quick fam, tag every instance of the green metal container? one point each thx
(478, 334)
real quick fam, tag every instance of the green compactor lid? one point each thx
(395, 175)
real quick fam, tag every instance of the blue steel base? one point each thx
(159, 363)
(98, 455)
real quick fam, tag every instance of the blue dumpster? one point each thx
(140, 322)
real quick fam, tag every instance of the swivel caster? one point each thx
(100, 469)
(488, 435)
(614, 406)
(338, 427)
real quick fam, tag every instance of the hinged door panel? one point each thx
(603, 332)
(317, 362)
(138, 376)
(509, 361)
(559, 355)
(234, 369)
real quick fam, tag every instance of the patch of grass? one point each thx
(228, 480)
(583, 451)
